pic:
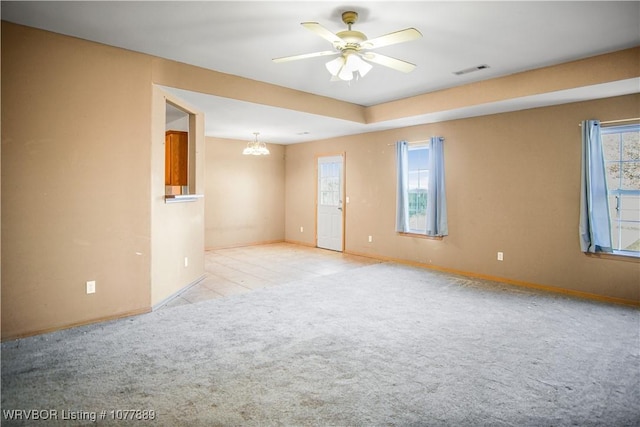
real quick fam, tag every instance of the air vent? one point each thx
(471, 70)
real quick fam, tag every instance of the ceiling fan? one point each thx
(354, 49)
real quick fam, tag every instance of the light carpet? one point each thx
(380, 345)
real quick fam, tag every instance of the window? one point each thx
(421, 198)
(418, 184)
(621, 148)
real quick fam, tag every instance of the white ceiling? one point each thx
(241, 38)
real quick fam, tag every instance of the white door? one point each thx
(330, 206)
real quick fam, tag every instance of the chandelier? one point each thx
(256, 148)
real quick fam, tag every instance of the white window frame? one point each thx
(621, 200)
(415, 147)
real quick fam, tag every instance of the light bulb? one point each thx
(363, 67)
(351, 63)
(335, 65)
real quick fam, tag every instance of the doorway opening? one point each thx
(179, 171)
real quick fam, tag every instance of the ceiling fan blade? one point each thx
(324, 33)
(387, 61)
(392, 38)
(305, 55)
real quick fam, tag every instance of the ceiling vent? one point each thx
(471, 70)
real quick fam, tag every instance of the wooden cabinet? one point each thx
(176, 161)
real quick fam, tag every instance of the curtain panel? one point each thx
(594, 227)
(436, 194)
(402, 201)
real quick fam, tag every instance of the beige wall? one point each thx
(75, 194)
(244, 194)
(610, 67)
(82, 184)
(177, 229)
(175, 74)
(512, 186)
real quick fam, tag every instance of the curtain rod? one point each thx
(617, 121)
(414, 142)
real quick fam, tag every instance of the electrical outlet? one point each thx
(500, 256)
(186, 261)
(91, 287)
(302, 229)
(370, 239)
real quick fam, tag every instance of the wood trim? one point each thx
(420, 236)
(613, 257)
(295, 242)
(76, 324)
(242, 245)
(175, 295)
(520, 283)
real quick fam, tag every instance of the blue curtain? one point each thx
(402, 167)
(436, 194)
(595, 231)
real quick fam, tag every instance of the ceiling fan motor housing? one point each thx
(352, 37)
(349, 17)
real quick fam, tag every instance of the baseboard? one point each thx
(76, 324)
(242, 245)
(295, 242)
(178, 293)
(264, 242)
(104, 318)
(520, 283)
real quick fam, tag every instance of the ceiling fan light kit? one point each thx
(353, 50)
(347, 66)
